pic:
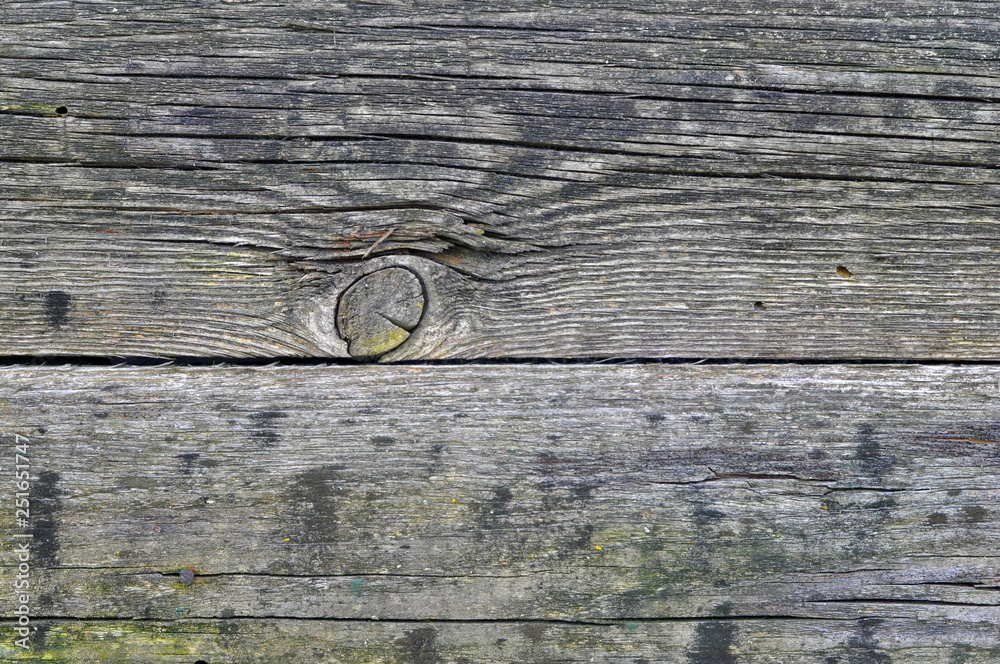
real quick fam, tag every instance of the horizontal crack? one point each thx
(610, 622)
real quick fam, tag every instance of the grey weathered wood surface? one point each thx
(700, 514)
(566, 179)
(686, 179)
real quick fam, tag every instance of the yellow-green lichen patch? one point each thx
(374, 345)
(35, 110)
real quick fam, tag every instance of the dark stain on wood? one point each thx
(654, 418)
(705, 516)
(45, 508)
(937, 519)
(317, 496)
(863, 648)
(491, 513)
(264, 427)
(382, 443)
(57, 304)
(187, 460)
(869, 453)
(419, 647)
(39, 639)
(975, 513)
(713, 643)
(960, 654)
(581, 538)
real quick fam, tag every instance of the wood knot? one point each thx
(378, 311)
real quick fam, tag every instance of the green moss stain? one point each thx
(115, 642)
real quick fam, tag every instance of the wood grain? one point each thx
(787, 512)
(569, 179)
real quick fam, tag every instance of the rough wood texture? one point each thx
(788, 179)
(712, 514)
(686, 179)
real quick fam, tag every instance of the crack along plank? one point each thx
(851, 506)
(777, 179)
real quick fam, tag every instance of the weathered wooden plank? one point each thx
(277, 641)
(778, 179)
(834, 498)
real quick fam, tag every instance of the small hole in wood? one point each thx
(843, 271)
(201, 661)
(62, 110)
(759, 306)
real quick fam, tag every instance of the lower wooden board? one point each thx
(719, 641)
(688, 513)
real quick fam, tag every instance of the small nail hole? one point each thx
(62, 110)
(843, 271)
(759, 306)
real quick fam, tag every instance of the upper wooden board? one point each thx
(599, 179)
